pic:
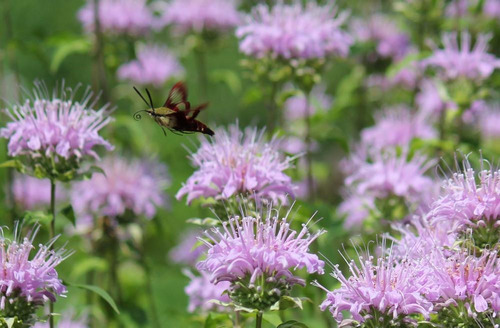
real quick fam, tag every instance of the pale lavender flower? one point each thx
(235, 162)
(154, 65)
(389, 174)
(463, 61)
(469, 200)
(396, 126)
(130, 17)
(390, 42)
(31, 193)
(296, 107)
(472, 280)
(254, 247)
(356, 209)
(57, 127)
(429, 100)
(187, 252)
(127, 185)
(395, 289)
(201, 291)
(28, 278)
(489, 123)
(67, 320)
(200, 15)
(491, 8)
(294, 31)
(457, 8)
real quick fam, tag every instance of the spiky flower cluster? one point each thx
(200, 15)
(396, 126)
(127, 186)
(294, 31)
(154, 65)
(470, 201)
(28, 282)
(55, 133)
(130, 17)
(382, 291)
(257, 256)
(236, 162)
(202, 292)
(463, 61)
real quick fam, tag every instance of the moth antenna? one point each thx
(140, 95)
(150, 101)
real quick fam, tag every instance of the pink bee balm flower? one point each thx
(55, 127)
(235, 162)
(430, 102)
(32, 193)
(458, 8)
(356, 209)
(471, 200)
(396, 126)
(294, 31)
(66, 321)
(187, 252)
(199, 15)
(491, 8)
(380, 291)
(126, 185)
(130, 17)
(154, 65)
(202, 291)
(389, 40)
(26, 281)
(261, 254)
(464, 61)
(489, 123)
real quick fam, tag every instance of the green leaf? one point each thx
(13, 163)
(207, 222)
(272, 317)
(99, 291)
(292, 324)
(229, 78)
(287, 302)
(66, 48)
(69, 214)
(32, 217)
(10, 322)
(88, 264)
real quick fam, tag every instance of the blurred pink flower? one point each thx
(396, 126)
(201, 291)
(491, 8)
(463, 61)
(295, 107)
(489, 123)
(356, 209)
(389, 40)
(131, 17)
(234, 162)
(187, 252)
(294, 31)
(31, 193)
(66, 320)
(126, 185)
(154, 65)
(200, 15)
(458, 8)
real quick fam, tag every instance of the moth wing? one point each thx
(177, 97)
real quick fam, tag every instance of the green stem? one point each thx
(149, 285)
(258, 320)
(237, 319)
(272, 116)
(52, 235)
(201, 64)
(307, 119)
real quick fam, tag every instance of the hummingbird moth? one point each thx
(176, 114)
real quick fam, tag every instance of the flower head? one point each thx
(260, 254)
(131, 17)
(154, 65)
(187, 252)
(429, 100)
(356, 209)
(294, 31)
(491, 8)
(463, 61)
(471, 200)
(55, 129)
(202, 291)
(126, 186)
(489, 123)
(384, 288)
(396, 127)
(235, 162)
(32, 193)
(26, 281)
(389, 40)
(457, 8)
(200, 15)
